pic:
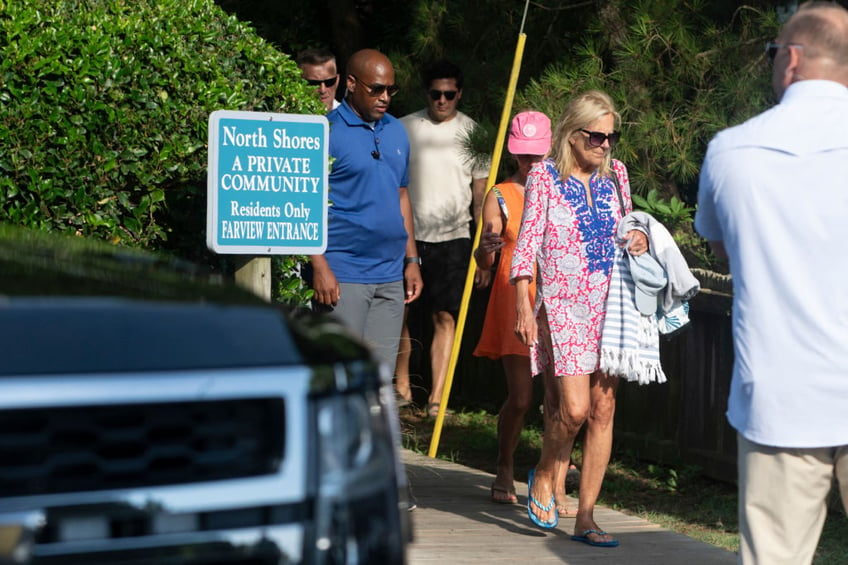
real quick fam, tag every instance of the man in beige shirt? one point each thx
(445, 188)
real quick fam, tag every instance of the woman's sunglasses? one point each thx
(596, 138)
(437, 94)
(328, 82)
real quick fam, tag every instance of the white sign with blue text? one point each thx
(267, 183)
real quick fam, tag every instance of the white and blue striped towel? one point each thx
(629, 341)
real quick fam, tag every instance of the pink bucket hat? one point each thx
(529, 134)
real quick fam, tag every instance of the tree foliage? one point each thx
(104, 107)
(678, 75)
(104, 104)
(679, 71)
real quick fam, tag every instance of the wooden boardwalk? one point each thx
(455, 522)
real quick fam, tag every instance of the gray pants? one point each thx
(374, 313)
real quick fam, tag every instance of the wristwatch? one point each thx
(409, 260)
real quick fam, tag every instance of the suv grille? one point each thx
(86, 448)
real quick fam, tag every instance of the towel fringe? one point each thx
(627, 364)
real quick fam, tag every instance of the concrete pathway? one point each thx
(455, 522)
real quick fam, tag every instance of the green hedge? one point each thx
(104, 107)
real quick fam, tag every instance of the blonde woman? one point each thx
(573, 202)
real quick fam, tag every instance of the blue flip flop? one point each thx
(584, 537)
(532, 500)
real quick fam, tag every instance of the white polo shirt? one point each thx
(774, 190)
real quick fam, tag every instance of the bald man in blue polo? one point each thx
(369, 271)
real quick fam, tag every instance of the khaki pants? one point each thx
(783, 500)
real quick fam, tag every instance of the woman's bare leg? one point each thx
(566, 407)
(560, 472)
(596, 451)
(519, 385)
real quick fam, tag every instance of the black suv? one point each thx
(150, 415)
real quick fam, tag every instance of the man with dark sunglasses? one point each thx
(362, 277)
(772, 199)
(443, 185)
(319, 70)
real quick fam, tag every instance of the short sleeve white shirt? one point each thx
(440, 175)
(774, 190)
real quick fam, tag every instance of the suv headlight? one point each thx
(357, 476)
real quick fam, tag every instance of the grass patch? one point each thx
(679, 499)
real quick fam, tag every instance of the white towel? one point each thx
(682, 284)
(629, 340)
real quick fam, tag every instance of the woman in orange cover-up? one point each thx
(529, 140)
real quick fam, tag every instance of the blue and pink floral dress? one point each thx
(573, 242)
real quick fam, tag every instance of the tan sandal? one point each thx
(433, 410)
(501, 495)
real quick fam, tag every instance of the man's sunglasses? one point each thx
(328, 82)
(437, 94)
(773, 48)
(596, 138)
(378, 89)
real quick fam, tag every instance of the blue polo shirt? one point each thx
(366, 238)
